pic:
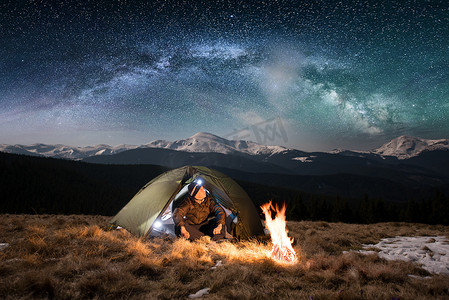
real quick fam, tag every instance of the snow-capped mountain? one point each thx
(405, 147)
(63, 151)
(207, 142)
(201, 142)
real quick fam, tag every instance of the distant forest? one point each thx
(36, 185)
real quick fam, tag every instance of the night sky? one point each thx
(349, 74)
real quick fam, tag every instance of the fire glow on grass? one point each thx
(282, 244)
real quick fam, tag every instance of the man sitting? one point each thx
(192, 217)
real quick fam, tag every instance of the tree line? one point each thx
(36, 185)
(303, 206)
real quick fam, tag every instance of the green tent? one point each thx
(149, 212)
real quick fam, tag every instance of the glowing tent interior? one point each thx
(149, 212)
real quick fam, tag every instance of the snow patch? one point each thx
(200, 293)
(100, 152)
(432, 252)
(218, 264)
(3, 246)
(305, 159)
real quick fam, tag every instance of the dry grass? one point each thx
(73, 257)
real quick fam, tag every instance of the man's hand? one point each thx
(217, 229)
(184, 232)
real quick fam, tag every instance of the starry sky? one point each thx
(338, 74)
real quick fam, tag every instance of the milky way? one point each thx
(348, 74)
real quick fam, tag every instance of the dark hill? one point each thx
(175, 159)
(45, 185)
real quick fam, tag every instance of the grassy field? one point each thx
(74, 257)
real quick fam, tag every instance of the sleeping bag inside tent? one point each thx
(150, 211)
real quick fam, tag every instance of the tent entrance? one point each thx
(165, 225)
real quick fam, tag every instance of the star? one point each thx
(340, 75)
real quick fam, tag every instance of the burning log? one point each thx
(282, 245)
(283, 253)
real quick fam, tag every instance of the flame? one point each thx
(282, 245)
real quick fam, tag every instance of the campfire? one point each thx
(282, 244)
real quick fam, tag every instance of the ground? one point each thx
(65, 257)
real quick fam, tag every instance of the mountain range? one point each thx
(403, 168)
(200, 142)
(403, 147)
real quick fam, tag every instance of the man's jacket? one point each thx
(198, 213)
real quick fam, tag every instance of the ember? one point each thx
(282, 244)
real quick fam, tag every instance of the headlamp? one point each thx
(195, 186)
(157, 224)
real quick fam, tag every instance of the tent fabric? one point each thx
(139, 214)
(147, 205)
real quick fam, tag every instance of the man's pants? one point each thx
(198, 230)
